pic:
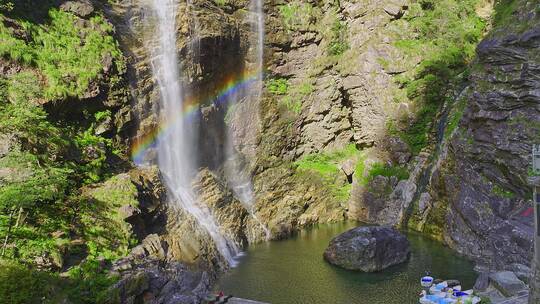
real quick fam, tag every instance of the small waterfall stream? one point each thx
(176, 148)
(238, 179)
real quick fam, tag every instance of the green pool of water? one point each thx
(293, 271)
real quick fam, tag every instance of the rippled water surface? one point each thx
(293, 271)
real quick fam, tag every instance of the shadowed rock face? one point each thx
(368, 249)
(489, 157)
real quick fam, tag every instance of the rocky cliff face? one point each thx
(341, 93)
(484, 176)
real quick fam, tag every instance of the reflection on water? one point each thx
(293, 271)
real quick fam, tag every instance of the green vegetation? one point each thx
(436, 220)
(325, 166)
(39, 286)
(446, 43)
(293, 105)
(94, 150)
(503, 193)
(220, 2)
(377, 169)
(279, 86)
(291, 95)
(41, 209)
(102, 115)
(20, 284)
(68, 55)
(485, 299)
(338, 39)
(455, 116)
(47, 216)
(531, 172)
(504, 10)
(298, 15)
(22, 118)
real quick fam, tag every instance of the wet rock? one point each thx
(155, 282)
(424, 202)
(368, 249)
(482, 282)
(507, 283)
(226, 209)
(523, 272)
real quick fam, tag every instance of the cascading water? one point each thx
(176, 148)
(239, 180)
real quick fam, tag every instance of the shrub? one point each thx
(291, 104)
(68, 55)
(279, 86)
(23, 118)
(296, 15)
(20, 285)
(94, 150)
(338, 39)
(377, 169)
(503, 11)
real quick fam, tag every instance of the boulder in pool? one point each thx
(368, 249)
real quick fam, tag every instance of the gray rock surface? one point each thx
(368, 249)
(485, 180)
(507, 283)
(81, 8)
(482, 282)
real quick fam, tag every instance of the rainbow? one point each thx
(191, 106)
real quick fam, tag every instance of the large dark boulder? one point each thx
(368, 249)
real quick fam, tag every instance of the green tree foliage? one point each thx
(503, 11)
(38, 286)
(68, 54)
(23, 118)
(444, 34)
(45, 215)
(30, 183)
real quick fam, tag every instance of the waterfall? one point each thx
(176, 148)
(239, 180)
